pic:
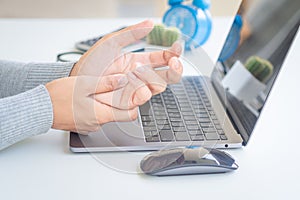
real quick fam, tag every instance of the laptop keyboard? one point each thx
(181, 113)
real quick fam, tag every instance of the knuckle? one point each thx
(133, 114)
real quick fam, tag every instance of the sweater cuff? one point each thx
(42, 73)
(24, 115)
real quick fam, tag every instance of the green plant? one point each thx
(161, 35)
(260, 68)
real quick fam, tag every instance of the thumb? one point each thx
(107, 83)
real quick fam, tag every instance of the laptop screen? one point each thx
(244, 75)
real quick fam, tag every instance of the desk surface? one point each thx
(43, 168)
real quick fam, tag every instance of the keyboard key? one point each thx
(162, 122)
(171, 102)
(158, 102)
(195, 132)
(148, 123)
(195, 102)
(209, 108)
(152, 139)
(194, 122)
(187, 113)
(171, 106)
(200, 115)
(212, 136)
(199, 106)
(163, 127)
(206, 125)
(184, 105)
(147, 133)
(158, 108)
(182, 136)
(186, 110)
(175, 115)
(213, 117)
(147, 118)
(223, 137)
(172, 119)
(195, 98)
(154, 133)
(172, 110)
(166, 135)
(159, 113)
(200, 111)
(162, 117)
(209, 129)
(190, 118)
(219, 127)
(203, 120)
(178, 129)
(193, 127)
(177, 124)
(153, 128)
(197, 137)
(145, 109)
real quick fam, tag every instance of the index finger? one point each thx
(132, 33)
(156, 58)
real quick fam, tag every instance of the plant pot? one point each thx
(241, 83)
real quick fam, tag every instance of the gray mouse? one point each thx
(183, 161)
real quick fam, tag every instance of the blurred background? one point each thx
(90, 8)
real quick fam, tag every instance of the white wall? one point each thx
(96, 8)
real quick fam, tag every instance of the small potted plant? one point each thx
(246, 81)
(162, 36)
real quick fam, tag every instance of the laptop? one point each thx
(197, 111)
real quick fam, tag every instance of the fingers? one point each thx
(156, 58)
(154, 82)
(141, 93)
(174, 73)
(135, 93)
(110, 114)
(132, 33)
(105, 83)
(163, 57)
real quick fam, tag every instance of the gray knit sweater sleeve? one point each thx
(25, 104)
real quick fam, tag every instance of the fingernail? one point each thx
(123, 81)
(131, 75)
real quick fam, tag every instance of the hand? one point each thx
(105, 57)
(142, 84)
(74, 107)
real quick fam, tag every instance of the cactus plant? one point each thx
(160, 35)
(170, 35)
(260, 68)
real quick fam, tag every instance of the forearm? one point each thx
(25, 115)
(17, 77)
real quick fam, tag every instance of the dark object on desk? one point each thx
(186, 161)
(86, 44)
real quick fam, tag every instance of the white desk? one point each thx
(43, 168)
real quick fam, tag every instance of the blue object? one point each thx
(232, 40)
(194, 21)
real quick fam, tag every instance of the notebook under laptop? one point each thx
(198, 111)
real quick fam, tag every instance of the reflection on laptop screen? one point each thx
(245, 79)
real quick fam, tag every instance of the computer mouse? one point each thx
(184, 161)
